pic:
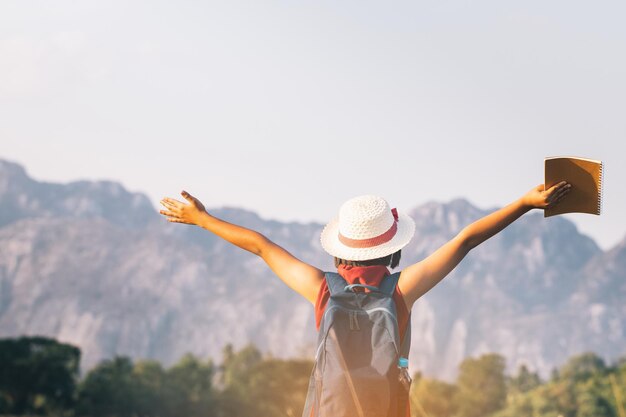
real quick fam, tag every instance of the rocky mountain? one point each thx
(92, 264)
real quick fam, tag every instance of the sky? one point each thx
(289, 108)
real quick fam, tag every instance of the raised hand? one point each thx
(541, 198)
(179, 212)
(300, 276)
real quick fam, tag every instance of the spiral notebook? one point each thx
(585, 175)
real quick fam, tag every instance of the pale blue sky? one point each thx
(290, 108)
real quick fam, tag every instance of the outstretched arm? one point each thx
(299, 276)
(419, 278)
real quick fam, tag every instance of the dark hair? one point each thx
(390, 260)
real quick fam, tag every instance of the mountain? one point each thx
(22, 197)
(93, 264)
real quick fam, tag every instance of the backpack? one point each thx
(356, 370)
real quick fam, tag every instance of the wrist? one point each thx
(202, 219)
(526, 203)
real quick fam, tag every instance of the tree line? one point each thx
(40, 376)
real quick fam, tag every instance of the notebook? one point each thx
(585, 175)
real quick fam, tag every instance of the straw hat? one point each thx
(367, 228)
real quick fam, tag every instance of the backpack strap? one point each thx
(336, 283)
(406, 343)
(388, 285)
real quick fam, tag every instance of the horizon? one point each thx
(320, 223)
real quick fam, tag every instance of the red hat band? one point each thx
(373, 241)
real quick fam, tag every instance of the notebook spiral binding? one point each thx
(600, 175)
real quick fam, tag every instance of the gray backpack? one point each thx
(356, 370)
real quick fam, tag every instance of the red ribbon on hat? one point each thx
(373, 241)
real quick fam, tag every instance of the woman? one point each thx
(366, 237)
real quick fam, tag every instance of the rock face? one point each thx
(92, 264)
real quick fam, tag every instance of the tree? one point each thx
(278, 388)
(433, 398)
(38, 375)
(525, 380)
(189, 389)
(118, 388)
(590, 405)
(582, 367)
(234, 400)
(149, 381)
(238, 363)
(518, 407)
(555, 399)
(262, 387)
(481, 386)
(109, 389)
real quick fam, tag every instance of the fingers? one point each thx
(175, 220)
(169, 213)
(556, 187)
(188, 196)
(173, 217)
(173, 208)
(170, 202)
(557, 192)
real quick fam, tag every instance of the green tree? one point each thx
(118, 388)
(618, 388)
(278, 388)
(149, 384)
(109, 389)
(237, 364)
(481, 386)
(582, 367)
(262, 387)
(593, 398)
(555, 399)
(38, 375)
(520, 406)
(234, 399)
(524, 381)
(188, 388)
(552, 399)
(432, 398)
